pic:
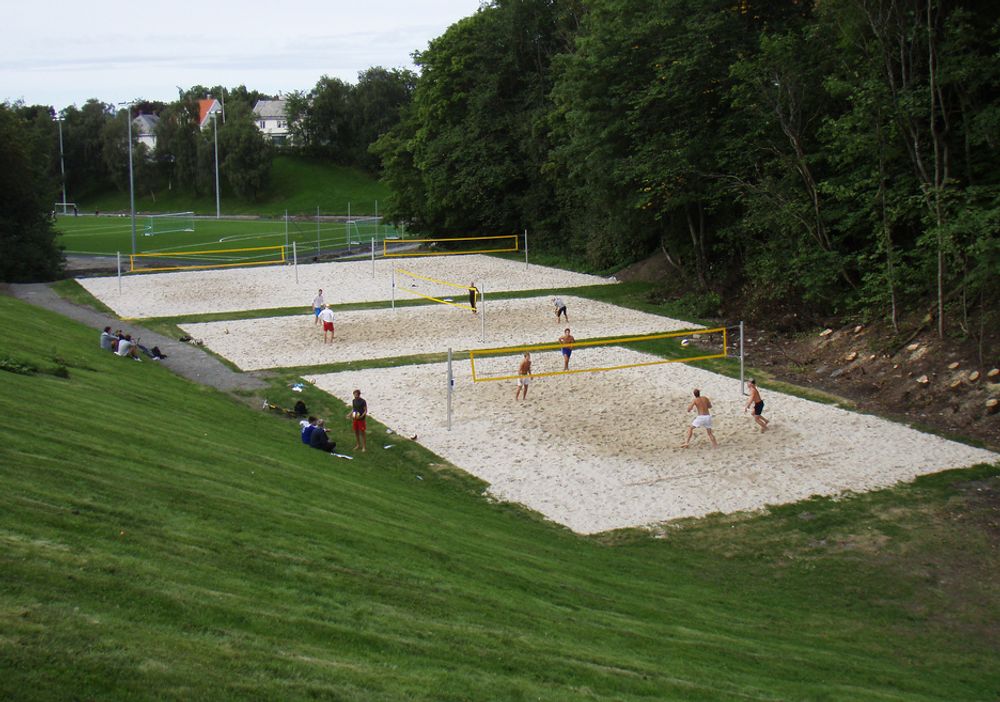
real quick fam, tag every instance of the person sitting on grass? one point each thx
(126, 347)
(308, 426)
(319, 439)
(107, 340)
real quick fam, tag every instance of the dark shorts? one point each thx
(758, 407)
(561, 310)
(567, 352)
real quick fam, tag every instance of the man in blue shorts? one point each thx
(318, 304)
(567, 349)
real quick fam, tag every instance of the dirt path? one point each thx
(182, 358)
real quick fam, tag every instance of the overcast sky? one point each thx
(64, 53)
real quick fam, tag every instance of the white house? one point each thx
(271, 120)
(145, 128)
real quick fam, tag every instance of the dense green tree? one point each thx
(245, 154)
(376, 102)
(28, 249)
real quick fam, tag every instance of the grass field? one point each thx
(110, 234)
(297, 184)
(163, 541)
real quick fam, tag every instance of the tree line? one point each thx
(804, 157)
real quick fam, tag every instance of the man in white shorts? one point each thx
(703, 420)
(524, 375)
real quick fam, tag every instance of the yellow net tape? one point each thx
(513, 246)
(602, 342)
(182, 254)
(411, 274)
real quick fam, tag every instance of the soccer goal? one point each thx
(168, 223)
(65, 208)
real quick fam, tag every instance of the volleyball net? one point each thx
(194, 260)
(441, 291)
(591, 356)
(401, 248)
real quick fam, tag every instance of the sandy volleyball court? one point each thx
(274, 342)
(600, 451)
(270, 287)
(591, 451)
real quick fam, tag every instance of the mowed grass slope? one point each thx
(159, 540)
(297, 184)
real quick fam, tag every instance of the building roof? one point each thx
(205, 108)
(146, 124)
(270, 108)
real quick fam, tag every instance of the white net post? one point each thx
(743, 390)
(482, 307)
(392, 289)
(525, 249)
(295, 261)
(451, 387)
(373, 257)
(286, 228)
(119, 272)
(347, 227)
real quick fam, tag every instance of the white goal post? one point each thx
(168, 223)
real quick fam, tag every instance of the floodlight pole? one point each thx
(62, 163)
(373, 257)
(215, 125)
(525, 249)
(131, 180)
(317, 231)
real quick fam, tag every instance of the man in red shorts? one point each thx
(326, 317)
(359, 413)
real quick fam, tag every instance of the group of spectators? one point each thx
(316, 435)
(125, 346)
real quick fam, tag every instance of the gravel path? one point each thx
(182, 358)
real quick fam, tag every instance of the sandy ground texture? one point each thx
(600, 451)
(275, 342)
(237, 289)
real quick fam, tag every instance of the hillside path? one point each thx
(182, 358)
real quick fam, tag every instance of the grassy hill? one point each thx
(298, 184)
(160, 540)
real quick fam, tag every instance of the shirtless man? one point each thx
(567, 350)
(326, 317)
(703, 420)
(524, 371)
(758, 406)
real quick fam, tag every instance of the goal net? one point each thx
(168, 223)
(594, 355)
(398, 248)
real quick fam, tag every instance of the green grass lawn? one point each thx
(160, 540)
(297, 184)
(110, 234)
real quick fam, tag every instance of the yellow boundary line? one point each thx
(605, 342)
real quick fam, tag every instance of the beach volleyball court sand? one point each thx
(600, 451)
(181, 293)
(283, 342)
